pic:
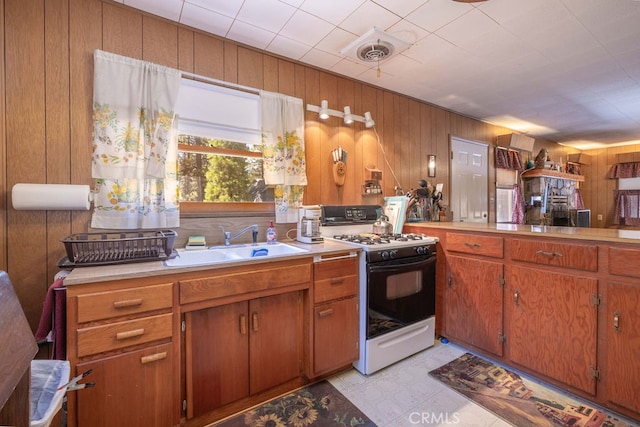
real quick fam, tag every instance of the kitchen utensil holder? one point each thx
(339, 173)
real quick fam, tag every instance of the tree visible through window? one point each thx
(214, 170)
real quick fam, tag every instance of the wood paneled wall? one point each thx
(46, 119)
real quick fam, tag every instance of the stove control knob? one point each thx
(384, 255)
(392, 254)
(421, 250)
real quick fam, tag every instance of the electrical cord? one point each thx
(384, 155)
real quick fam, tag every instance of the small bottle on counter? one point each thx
(272, 234)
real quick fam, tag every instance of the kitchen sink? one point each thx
(233, 253)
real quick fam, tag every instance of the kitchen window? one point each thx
(219, 149)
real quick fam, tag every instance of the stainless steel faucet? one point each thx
(228, 237)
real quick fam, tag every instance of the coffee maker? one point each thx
(309, 224)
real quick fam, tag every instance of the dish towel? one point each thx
(53, 320)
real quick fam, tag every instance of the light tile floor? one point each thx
(404, 394)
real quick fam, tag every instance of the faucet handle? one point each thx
(255, 235)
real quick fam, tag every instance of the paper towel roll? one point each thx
(39, 197)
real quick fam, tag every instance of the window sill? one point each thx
(223, 210)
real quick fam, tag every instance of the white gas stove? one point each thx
(397, 285)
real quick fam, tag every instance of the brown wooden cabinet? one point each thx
(474, 301)
(335, 313)
(240, 349)
(621, 329)
(551, 322)
(124, 332)
(132, 389)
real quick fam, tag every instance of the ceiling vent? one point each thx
(374, 46)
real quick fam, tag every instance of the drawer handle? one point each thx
(130, 334)
(549, 254)
(325, 313)
(254, 322)
(337, 280)
(616, 321)
(243, 324)
(153, 357)
(472, 245)
(127, 303)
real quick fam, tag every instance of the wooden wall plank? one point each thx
(124, 34)
(312, 136)
(26, 148)
(85, 35)
(57, 116)
(4, 189)
(269, 74)
(250, 68)
(159, 41)
(207, 53)
(185, 50)
(230, 62)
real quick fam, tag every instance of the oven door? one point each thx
(399, 293)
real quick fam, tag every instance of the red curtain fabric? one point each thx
(625, 170)
(508, 159)
(626, 210)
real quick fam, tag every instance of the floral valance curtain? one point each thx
(283, 152)
(625, 170)
(508, 159)
(134, 160)
(626, 210)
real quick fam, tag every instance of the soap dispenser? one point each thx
(272, 234)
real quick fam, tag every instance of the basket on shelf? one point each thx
(116, 247)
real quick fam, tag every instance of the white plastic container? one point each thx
(46, 400)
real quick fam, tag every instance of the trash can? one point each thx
(47, 378)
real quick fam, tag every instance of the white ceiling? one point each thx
(565, 70)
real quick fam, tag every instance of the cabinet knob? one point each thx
(153, 357)
(243, 324)
(130, 334)
(516, 297)
(616, 321)
(127, 303)
(254, 322)
(325, 313)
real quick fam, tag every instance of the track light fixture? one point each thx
(368, 121)
(324, 112)
(348, 118)
(324, 109)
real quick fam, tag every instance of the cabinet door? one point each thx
(623, 345)
(217, 355)
(275, 340)
(552, 324)
(132, 389)
(474, 301)
(333, 350)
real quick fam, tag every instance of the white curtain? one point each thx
(134, 160)
(283, 152)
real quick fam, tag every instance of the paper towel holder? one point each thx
(39, 197)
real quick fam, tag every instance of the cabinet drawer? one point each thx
(624, 262)
(492, 246)
(245, 281)
(570, 255)
(335, 279)
(99, 339)
(105, 305)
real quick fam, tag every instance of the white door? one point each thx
(469, 180)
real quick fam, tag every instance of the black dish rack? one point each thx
(117, 247)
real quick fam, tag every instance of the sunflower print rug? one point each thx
(317, 405)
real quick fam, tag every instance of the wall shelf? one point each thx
(548, 173)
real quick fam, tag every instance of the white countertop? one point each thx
(80, 275)
(610, 235)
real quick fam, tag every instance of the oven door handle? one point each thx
(396, 267)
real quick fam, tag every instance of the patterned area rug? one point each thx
(517, 400)
(319, 405)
